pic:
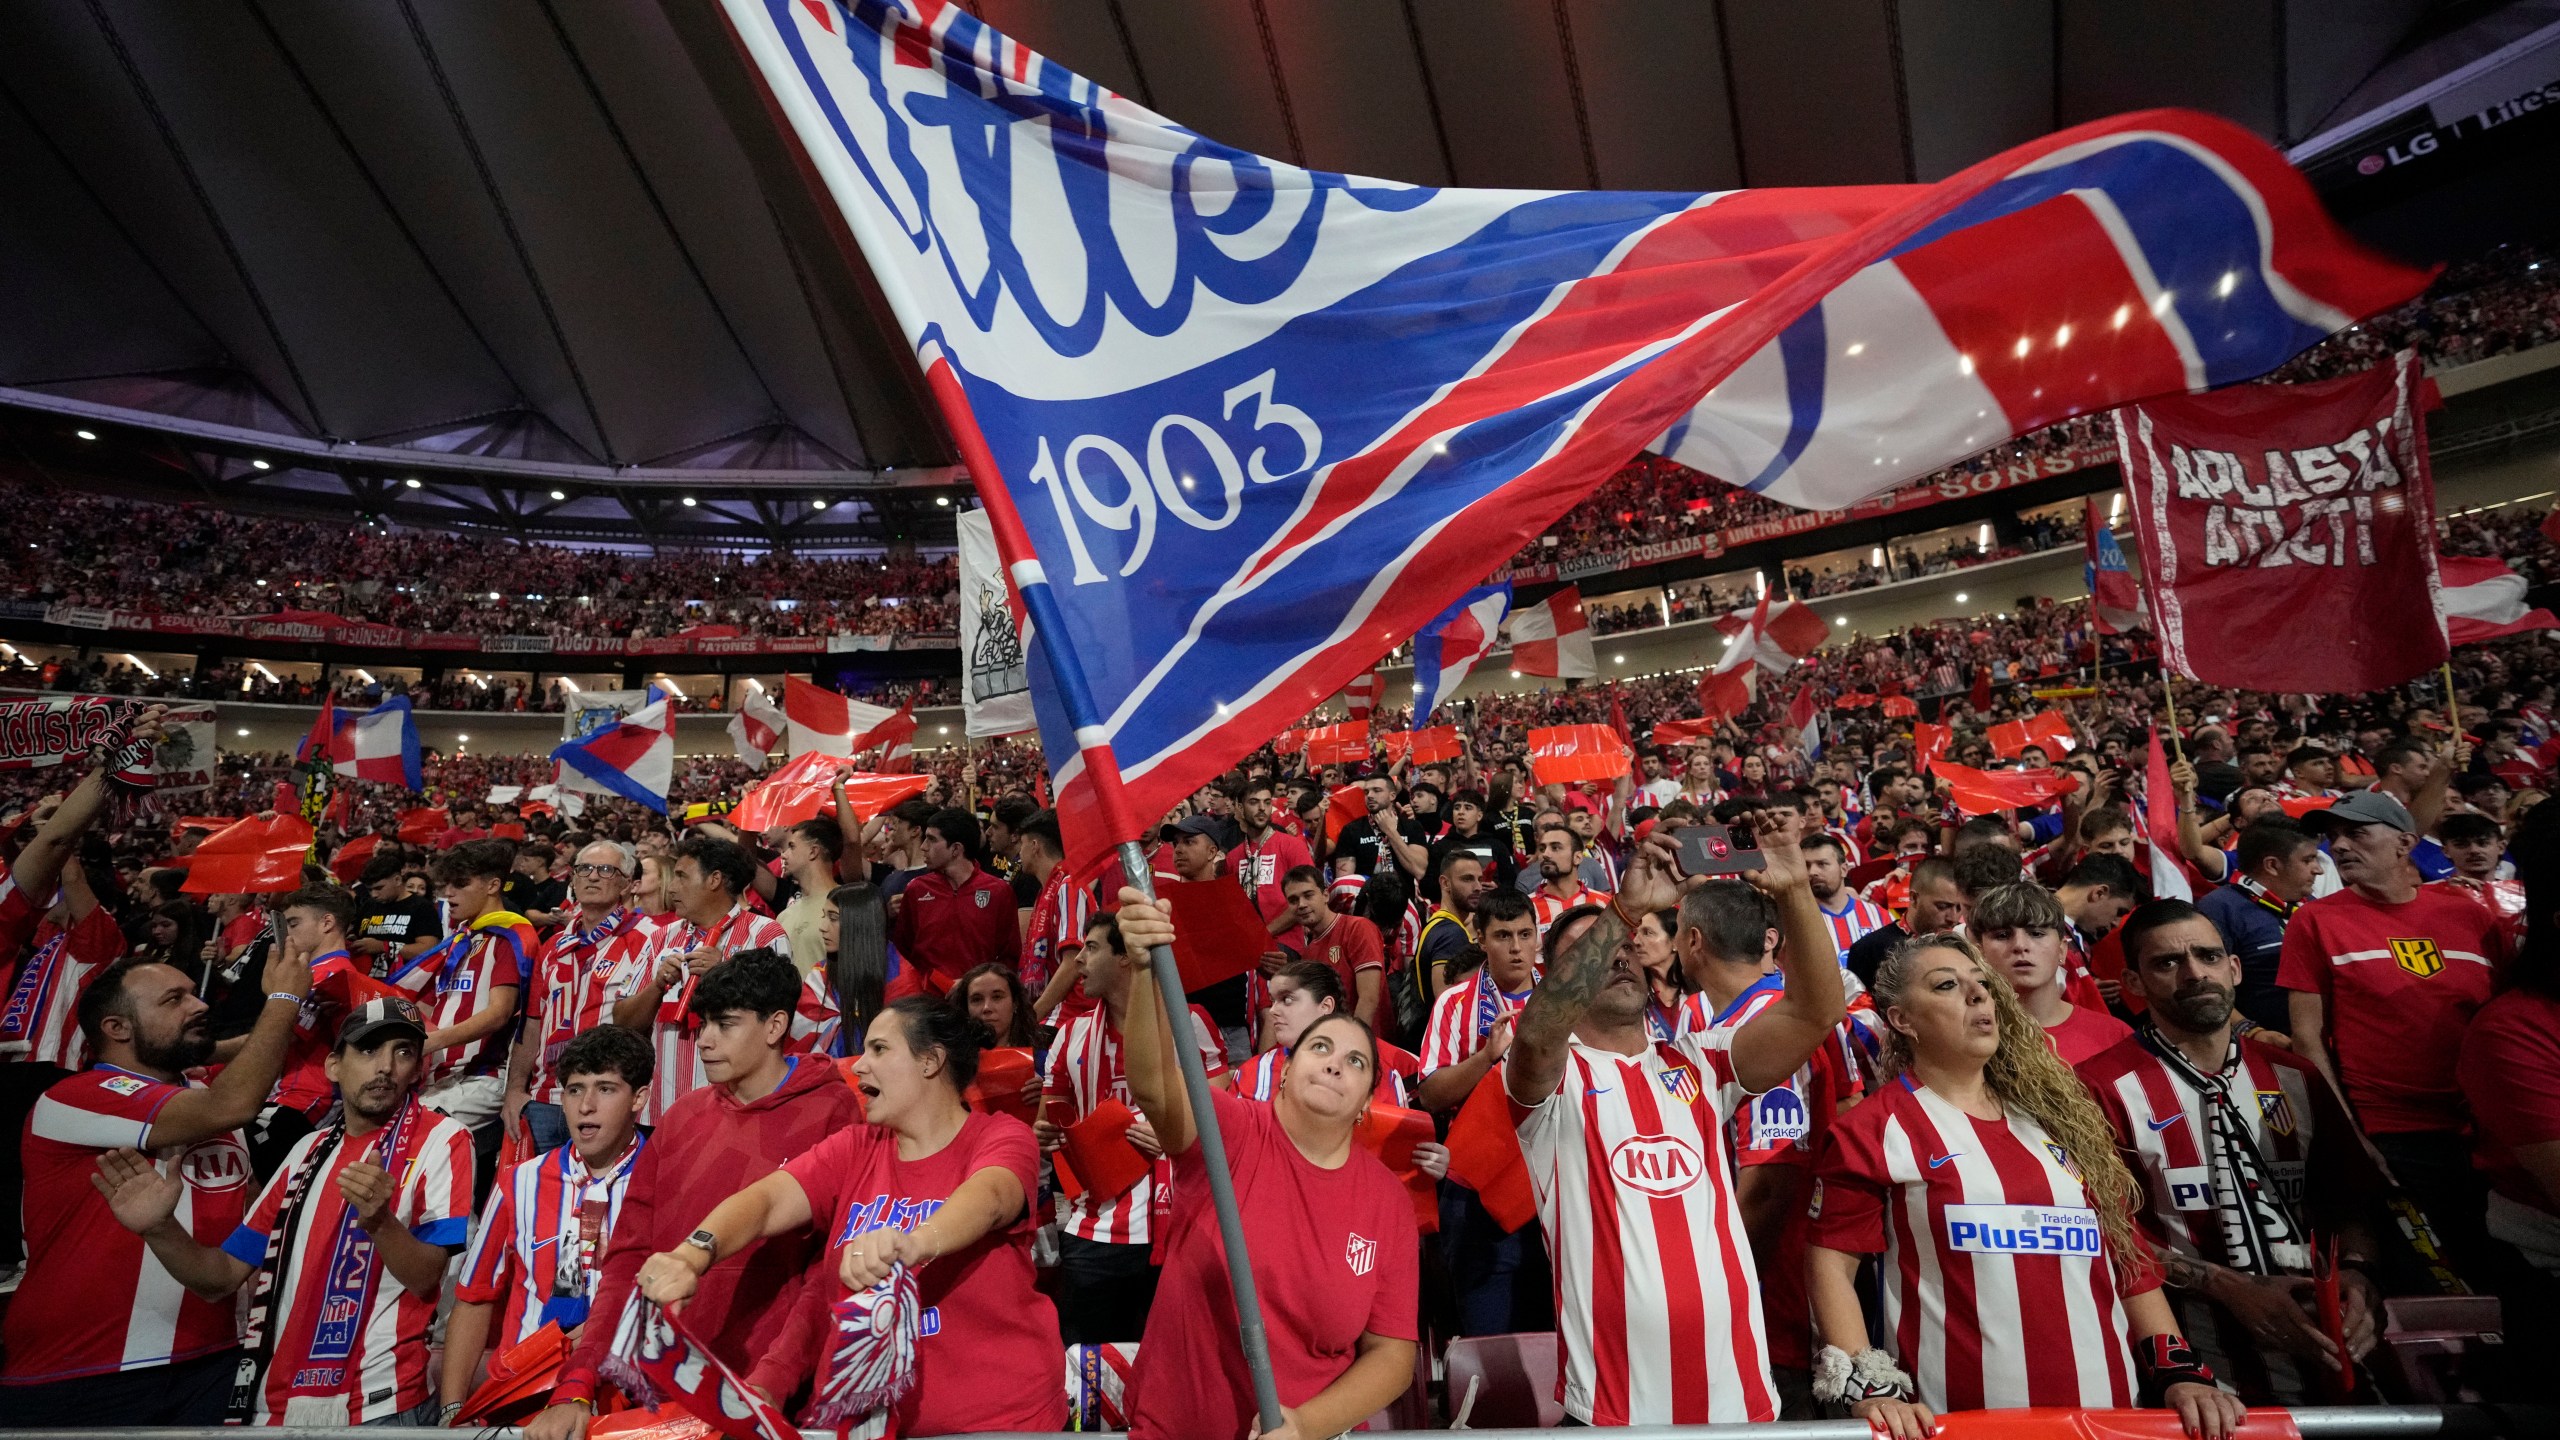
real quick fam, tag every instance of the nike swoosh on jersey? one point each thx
(1937, 1160)
(2159, 1125)
(1596, 1090)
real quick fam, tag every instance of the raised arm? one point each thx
(1543, 1036)
(240, 1091)
(1769, 1046)
(1146, 1041)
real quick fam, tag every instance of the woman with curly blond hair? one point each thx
(1990, 1184)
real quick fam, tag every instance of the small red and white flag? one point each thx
(2484, 600)
(1786, 631)
(1729, 686)
(1361, 695)
(819, 719)
(894, 738)
(1552, 638)
(755, 729)
(2169, 878)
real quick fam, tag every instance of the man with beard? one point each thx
(1449, 929)
(348, 1243)
(1657, 1295)
(2247, 1161)
(1560, 886)
(100, 1332)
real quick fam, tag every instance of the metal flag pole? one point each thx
(1093, 744)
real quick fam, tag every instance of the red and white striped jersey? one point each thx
(1853, 920)
(1399, 1070)
(540, 1248)
(42, 1010)
(566, 995)
(2163, 1124)
(95, 1300)
(1546, 907)
(348, 1335)
(813, 1025)
(1085, 1069)
(455, 981)
(1057, 928)
(1463, 1014)
(1657, 1296)
(2000, 1292)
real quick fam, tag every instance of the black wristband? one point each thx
(2167, 1360)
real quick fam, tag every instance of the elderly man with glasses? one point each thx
(567, 993)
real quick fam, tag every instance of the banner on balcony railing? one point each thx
(314, 628)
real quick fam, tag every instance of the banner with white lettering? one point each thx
(2287, 531)
(995, 681)
(40, 731)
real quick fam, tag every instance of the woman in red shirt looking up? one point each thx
(928, 1183)
(1331, 1232)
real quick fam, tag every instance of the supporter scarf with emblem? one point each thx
(657, 1361)
(35, 981)
(570, 1193)
(1491, 1003)
(352, 1271)
(671, 1010)
(873, 1365)
(2260, 1234)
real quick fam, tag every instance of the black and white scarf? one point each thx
(2260, 1233)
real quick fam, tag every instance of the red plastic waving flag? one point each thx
(1683, 732)
(1343, 744)
(1343, 806)
(2049, 729)
(1565, 754)
(804, 788)
(421, 826)
(1221, 934)
(1979, 792)
(253, 855)
(1928, 742)
(1484, 1154)
(1899, 707)
(1440, 742)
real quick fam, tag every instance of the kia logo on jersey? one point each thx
(1361, 1254)
(215, 1165)
(1656, 1164)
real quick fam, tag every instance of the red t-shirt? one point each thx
(1335, 1254)
(2084, 1034)
(2510, 1070)
(988, 1355)
(944, 929)
(2401, 982)
(1351, 946)
(1260, 868)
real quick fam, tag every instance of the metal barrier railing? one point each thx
(2359, 1422)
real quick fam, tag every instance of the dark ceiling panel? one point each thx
(63, 73)
(692, 163)
(1980, 77)
(2120, 55)
(2331, 48)
(664, 375)
(379, 346)
(366, 68)
(1819, 99)
(1499, 70)
(1207, 67)
(1653, 82)
(1357, 90)
(78, 299)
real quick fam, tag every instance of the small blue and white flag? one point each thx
(1449, 647)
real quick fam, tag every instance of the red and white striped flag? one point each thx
(2169, 877)
(894, 738)
(2484, 600)
(1361, 695)
(1787, 631)
(1729, 686)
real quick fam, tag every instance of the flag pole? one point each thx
(2169, 702)
(2452, 707)
(1048, 622)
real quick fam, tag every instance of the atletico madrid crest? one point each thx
(1361, 1254)
(2276, 1110)
(2062, 1158)
(1681, 1083)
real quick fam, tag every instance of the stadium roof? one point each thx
(549, 261)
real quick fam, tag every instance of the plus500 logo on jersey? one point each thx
(1656, 1164)
(2023, 1230)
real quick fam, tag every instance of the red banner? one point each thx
(252, 855)
(1979, 792)
(1343, 744)
(1683, 732)
(2288, 532)
(1567, 754)
(1440, 742)
(805, 788)
(2047, 728)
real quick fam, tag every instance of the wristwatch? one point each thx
(706, 1242)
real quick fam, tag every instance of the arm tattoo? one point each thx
(1569, 985)
(2184, 1272)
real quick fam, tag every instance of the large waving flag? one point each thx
(1449, 647)
(1733, 682)
(820, 720)
(1241, 427)
(1552, 638)
(378, 744)
(2484, 600)
(634, 758)
(1782, 632)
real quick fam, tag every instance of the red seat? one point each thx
(1512, 1379)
